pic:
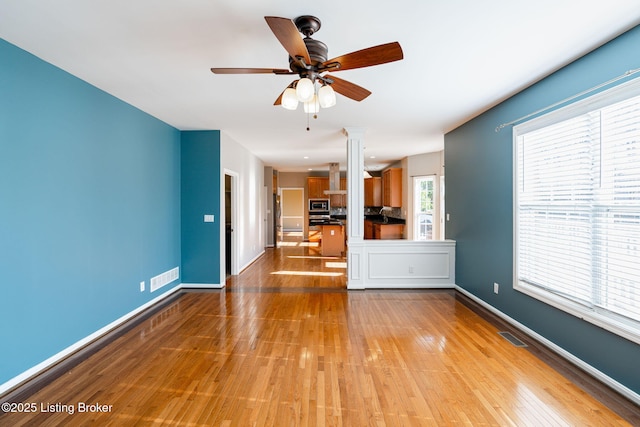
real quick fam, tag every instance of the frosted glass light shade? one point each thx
(313, 106)
(326, 96)
(289, 99)
(305, 90)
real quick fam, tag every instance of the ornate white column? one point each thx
(355, 208)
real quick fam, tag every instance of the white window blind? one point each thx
(577, 208)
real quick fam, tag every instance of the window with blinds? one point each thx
(577, 209)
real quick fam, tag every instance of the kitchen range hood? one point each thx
(334, 180)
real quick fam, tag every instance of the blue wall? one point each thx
(89, 207)
(478, 164)
(200, 197)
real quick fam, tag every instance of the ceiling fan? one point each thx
(308, 59)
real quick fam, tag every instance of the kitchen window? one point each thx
(577, 209)
(423, 206)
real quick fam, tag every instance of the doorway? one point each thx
(230, 254)
(292, 210)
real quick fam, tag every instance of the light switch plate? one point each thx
(209, 218)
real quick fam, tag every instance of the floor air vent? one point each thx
(165, 278)
(512, 339)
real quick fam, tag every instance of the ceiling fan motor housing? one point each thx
(318, 51)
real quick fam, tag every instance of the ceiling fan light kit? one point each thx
(312, 106)
(289, 99)
(326, 96)
(305, 89)
(308, 59)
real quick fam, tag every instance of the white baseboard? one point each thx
(244, 267)
(201, 286)
(410, 286)
(601, 376)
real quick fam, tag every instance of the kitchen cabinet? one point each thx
(315, 234)
(373, 191)
(340, 200)
(368, 229)
(392, 187)
(316, 187)
(382, 230)
(388, 231)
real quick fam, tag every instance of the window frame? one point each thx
(619, 325)
(416, 203)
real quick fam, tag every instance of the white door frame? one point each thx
(234, 225)
(265, 215)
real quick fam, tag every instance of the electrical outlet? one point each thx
(496, 287)
(411, 269)
(142, 286)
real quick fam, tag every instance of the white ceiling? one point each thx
(460, 58)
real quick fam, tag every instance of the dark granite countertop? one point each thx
(379, 219)
(333, 222)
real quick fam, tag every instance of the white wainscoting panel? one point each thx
(355, 271)
(402, 264)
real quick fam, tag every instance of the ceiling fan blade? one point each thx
(375, 55)
(251, 71)
(279, 100)
(287, 34)
(348, 89)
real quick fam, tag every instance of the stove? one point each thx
(319, 218)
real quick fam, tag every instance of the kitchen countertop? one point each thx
(379, 219)
(333, 222)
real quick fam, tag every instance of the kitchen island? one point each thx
(332, 243)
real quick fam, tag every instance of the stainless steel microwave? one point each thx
(318, 205)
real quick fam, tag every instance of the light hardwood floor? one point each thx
(286, 345)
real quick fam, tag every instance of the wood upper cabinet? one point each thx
(339, 200)
(373, 191)
(316, 187)
(392, 187)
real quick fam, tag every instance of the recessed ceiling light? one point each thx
(372, 157)
(310, 169)
(305, 157)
